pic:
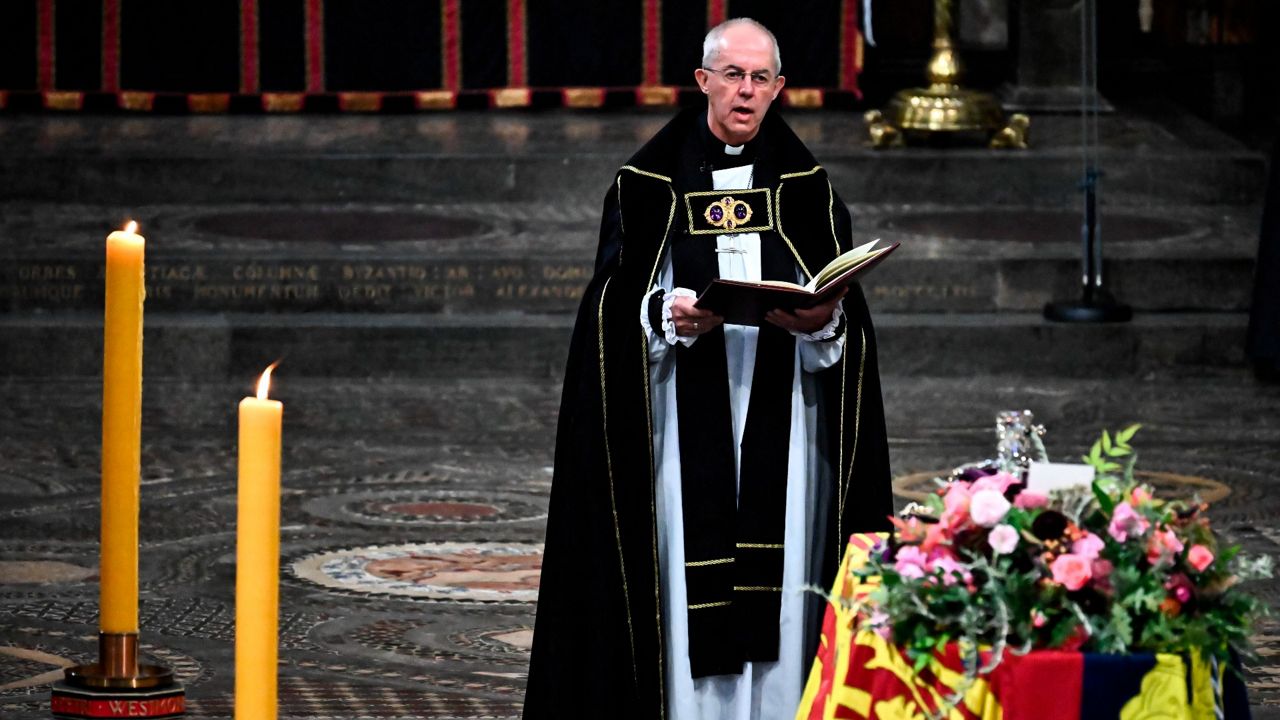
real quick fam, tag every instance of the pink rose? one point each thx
(988, 507)
(1162, 546)
(910, 562)
(998, 482)
(1140, 495)
(1088, 546)
(955, 504)
(1038, 619)
(1126, 521)
(1028, 500)
(910, 572)
(1003, 539)
(1200, 557)
(1101, 569)
(1072, 571)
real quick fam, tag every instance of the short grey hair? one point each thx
(711, 44)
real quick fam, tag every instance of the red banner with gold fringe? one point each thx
(290, 55)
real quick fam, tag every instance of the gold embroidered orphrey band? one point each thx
(725, 212)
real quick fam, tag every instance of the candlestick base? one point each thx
(76, 703)
(117, 684)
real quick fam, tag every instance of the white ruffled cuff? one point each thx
(668, 327)
(644, 311)
(828, 331)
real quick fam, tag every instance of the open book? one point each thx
(745, 303)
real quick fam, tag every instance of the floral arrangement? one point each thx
(1116, 570)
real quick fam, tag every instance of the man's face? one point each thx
(740, 85)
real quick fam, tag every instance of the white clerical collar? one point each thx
(733, 149)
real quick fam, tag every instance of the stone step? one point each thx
(536, 258)
(209, 346)
(560, 156)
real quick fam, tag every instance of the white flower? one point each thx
(988, 507)
(1003, 539)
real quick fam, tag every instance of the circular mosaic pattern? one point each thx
(477, 572)
(399, 506)
(440, 511)
(919, 486)
(423, 638)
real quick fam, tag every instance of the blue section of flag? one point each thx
(1110, 681)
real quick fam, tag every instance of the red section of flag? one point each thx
(248, 46)
(315, 46)
(1020, 681)
(451, 43)
(715, 13)
(827, 663)
(850, 40)
(111, 45)
(652, 63)
(44, 33)
(517, 73)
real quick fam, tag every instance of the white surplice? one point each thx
(764, 690)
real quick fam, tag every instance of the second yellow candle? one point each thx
(258, 555)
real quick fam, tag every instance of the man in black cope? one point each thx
(706, 473)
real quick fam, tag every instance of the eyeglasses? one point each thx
(734, 76)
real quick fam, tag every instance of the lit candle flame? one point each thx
(264, 382)
(131, 227)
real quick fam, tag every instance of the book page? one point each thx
(843, 262)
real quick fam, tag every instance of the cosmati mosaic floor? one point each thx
(413, 513)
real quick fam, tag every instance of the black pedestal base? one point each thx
(1082, 312)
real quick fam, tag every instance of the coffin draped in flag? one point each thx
(858, 675)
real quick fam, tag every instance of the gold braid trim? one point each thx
(756, 588)
(778, 199)
(761, 546)
(844, 368)
(704, 563)
(857, 420)
(646, 173)
(786, 176)
(613, 500)
(831, 215)
(648, 401)
(704, 606)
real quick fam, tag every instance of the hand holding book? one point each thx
(807, 321)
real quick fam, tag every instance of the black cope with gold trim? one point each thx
(723, 212)
(600, 612)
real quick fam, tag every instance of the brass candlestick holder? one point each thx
(117, 680)
(944, 109)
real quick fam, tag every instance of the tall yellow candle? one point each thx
(121, 431)
(258, 554)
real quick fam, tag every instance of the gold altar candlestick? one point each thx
(944, 108)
